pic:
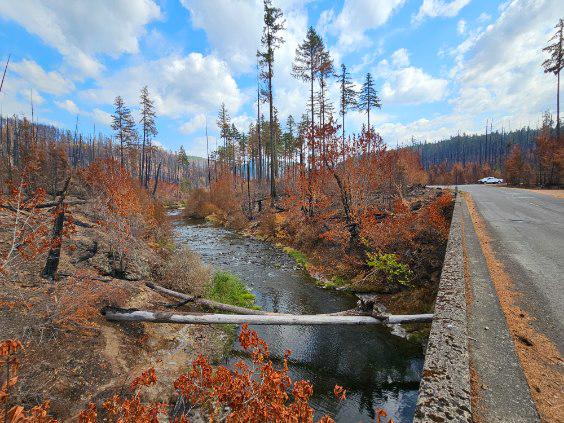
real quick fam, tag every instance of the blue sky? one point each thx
(440, 66)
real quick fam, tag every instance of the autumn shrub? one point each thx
(228, 288)
(184, 271)
(252, 392)
(198, 205)
(76, 303)
(390, 268)
(9, 412)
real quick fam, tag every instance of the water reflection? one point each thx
(377, 368)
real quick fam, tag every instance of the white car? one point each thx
(490, 180)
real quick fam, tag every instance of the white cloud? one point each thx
(34, 75)
(101, 116)
(69, 106)
(412, 85)
(179, 85)
(197, 123)
(498, 69)
(400, 58)
(461, 26)
(233, 28)
(405, 84)
(81, 29)
(484, 17)
(359, 16)
(436, 8)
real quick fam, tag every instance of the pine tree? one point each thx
(273, 24)
(149, 128)
(223, 123)
(554, 65)
(307, 64)
(368, 98)
(123, 124)
(348, 95)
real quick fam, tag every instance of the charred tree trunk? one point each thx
(50, 269)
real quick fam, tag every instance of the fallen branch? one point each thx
(214, 305)
(210, 304)
(133, 315)
(43, 205)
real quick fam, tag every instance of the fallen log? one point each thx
(134, 315)
(210, 304)
(214, 305)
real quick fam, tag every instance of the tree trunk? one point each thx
(133, 315)
(50, 269)
(272, 142)
(157, 179)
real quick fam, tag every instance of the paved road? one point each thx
(528, 236)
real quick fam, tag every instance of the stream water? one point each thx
(377, 368)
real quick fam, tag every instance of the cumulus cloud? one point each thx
(197, 123)
(499, 67)
(359, 16)
(179, 85)
(232, 27)
(405, 84)
(80, 29)
(35, 76)
(436, 8)
(69, 106)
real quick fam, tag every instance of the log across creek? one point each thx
(364, 315)
(134, 315)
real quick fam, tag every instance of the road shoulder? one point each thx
(538, 356)
(500, 391)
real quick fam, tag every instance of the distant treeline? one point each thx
(491, 148)
(53, 151)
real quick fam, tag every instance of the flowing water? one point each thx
(377, 368)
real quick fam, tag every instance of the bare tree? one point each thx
(554, 64)
(348, 96)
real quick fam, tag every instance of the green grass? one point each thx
(229, 289)
(298, 256)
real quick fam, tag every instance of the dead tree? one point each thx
(52, 263)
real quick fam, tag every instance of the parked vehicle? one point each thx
(490, 180)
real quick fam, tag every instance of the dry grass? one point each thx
(184, 271)
(539, 357)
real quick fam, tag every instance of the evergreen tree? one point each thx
(123, 124)
(554, 64)
(368, 98)
(149, 128)
(306, 67)
(271, 40)
(348, 95)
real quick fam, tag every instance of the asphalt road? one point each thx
(527, 230)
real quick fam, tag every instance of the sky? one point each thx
(440, 66)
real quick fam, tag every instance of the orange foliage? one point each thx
(250, 393)
(30, 227)
(9, 365)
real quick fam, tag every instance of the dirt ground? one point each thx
(72, 355)
(539, 357)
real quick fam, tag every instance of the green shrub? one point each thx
(390, 267)
(228, 288)
(298, 256)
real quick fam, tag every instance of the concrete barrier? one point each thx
(444, 393)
